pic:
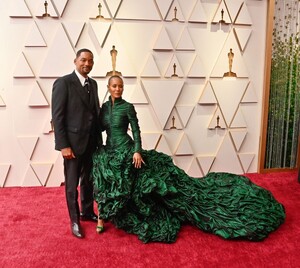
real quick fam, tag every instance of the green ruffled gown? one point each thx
(154, 201)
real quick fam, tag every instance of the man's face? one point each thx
(84, 63)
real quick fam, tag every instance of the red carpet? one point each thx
(35, 232)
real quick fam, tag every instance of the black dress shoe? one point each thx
(76, 230)
(89, 217)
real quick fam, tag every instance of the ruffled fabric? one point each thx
(154, 201)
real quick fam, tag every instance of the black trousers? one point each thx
(77, 172)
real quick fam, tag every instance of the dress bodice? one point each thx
(115, 120)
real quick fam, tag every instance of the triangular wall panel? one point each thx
(163, 41)
(19, 9)
(238, 120)
(100, 12)
(221, 13)
(246, 160)
(163, 95)
(198, 14)
(227, 159)
(164, 6)
(137, 95)
(185, 113)
(4, 170)
(175, 31)
(184, 162)
(184, 147)
(60, 6)
(222, 65)
(205, 162)
(233, 7)
(175, 12)
(113, 6)
(73, 30)
(194, 170)
(244, 17)
(174, 68)
(242, 36)
(40, 12)
(208, 95)
(163, 146)
(238, 136)
(37, 97)
(174, 121)
(101, 30)
(250, 95)
(150, 69)
(187, 7)
(229, 92)
(197, 69)
(123, 63)
(150, 140)
(2, 103)
(102, 91)
(208, 46)
(61, 49)
(191, 93)
(35, 38)
(186, 59)
(147, 119)
(42, 171)
(132, 9)
(146, 34)
(134, 94)
(185, 41)
(48, 126)
(53, 179)
(23, 68)
(217, 121)
(28, 145)
(30, 179)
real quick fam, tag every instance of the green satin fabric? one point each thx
(154, 201)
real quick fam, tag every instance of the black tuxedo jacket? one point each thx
(75, 114)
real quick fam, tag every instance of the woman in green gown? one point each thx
(144, 193)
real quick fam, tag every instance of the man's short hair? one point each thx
(83, 50)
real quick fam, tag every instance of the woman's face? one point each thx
(116, 88)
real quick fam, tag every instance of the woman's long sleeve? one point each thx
(134, 123)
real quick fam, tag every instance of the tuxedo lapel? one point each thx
(80, 90)
(92, 96)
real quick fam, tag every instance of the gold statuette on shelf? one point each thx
(99, 12)
(173, 123)
(230, 59)
(222, 17)
(113, 54)
(175, 14)
(174, 71)
(46, 14)
(218, 122)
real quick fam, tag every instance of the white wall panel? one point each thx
(38, 49)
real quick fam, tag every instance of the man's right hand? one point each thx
(67, 153)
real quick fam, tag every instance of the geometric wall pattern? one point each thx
(173, 64)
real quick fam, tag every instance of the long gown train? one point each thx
(154, 201)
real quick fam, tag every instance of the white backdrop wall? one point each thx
(35, 50)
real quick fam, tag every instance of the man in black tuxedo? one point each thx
(75, 112)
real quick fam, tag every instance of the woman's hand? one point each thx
(137, 160)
